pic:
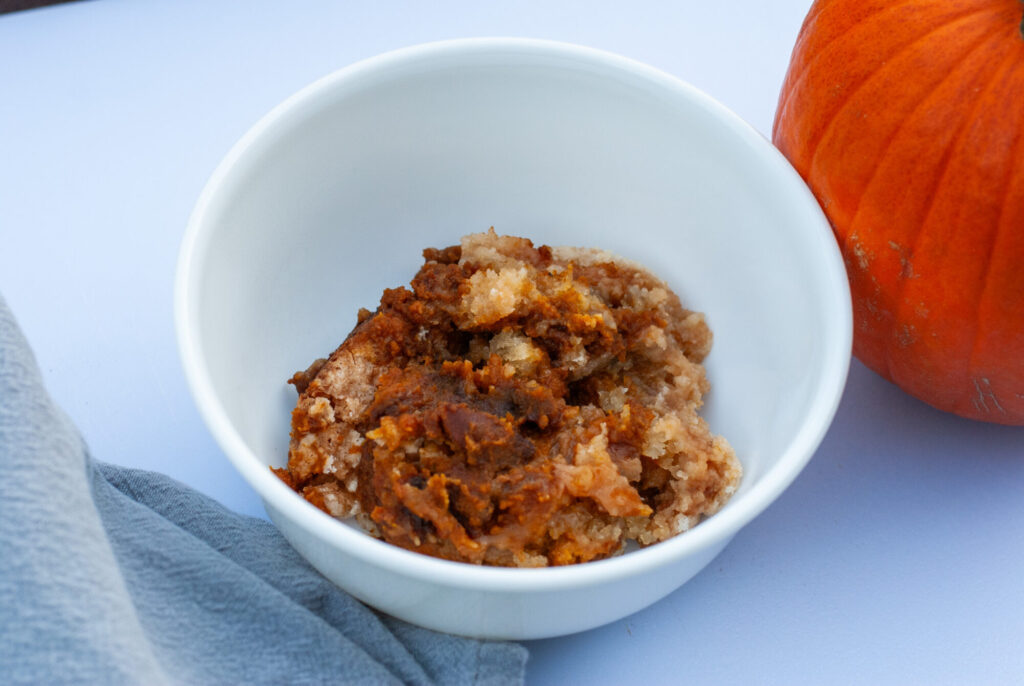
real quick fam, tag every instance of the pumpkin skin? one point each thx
(906, 119)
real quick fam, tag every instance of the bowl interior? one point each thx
(335, 196)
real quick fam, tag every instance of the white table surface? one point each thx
(897, 557)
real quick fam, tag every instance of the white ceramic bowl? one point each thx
(331, 197)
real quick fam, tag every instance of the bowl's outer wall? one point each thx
(332, 197)
(508, 616)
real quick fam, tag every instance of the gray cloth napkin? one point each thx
(112, 575)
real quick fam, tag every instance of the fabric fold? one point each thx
(117, 575)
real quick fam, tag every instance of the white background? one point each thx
(897, 557)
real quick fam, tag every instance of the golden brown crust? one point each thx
(515, 406)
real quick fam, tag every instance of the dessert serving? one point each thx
(516, 406)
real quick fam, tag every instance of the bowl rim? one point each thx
(719, 528)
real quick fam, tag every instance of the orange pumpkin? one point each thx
(906, 119)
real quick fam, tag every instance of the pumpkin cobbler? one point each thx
(515, 406)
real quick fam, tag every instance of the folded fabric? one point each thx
(114, 575)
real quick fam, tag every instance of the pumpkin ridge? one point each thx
(943, 171)
(982, 42)
(790, 80)
(812, 149)
(1012, 172)
(863, 228)
(821, 8)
